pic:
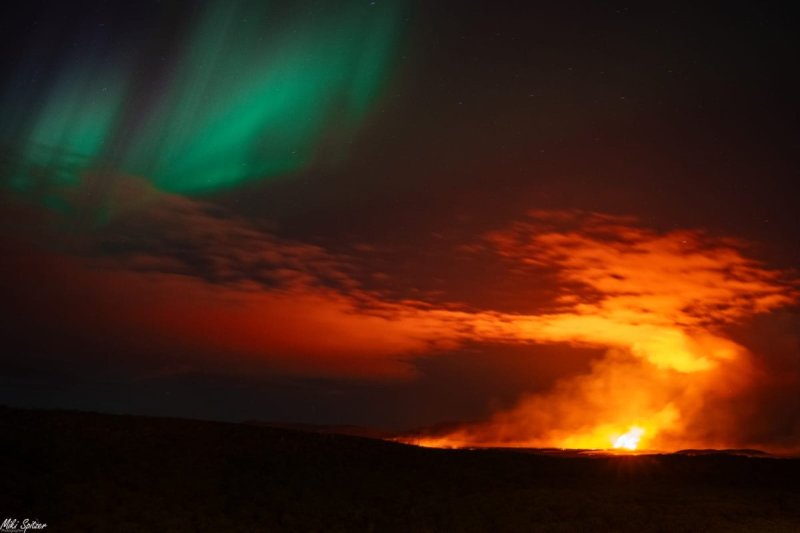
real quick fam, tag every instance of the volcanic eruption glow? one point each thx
(629, 440)
(659, 304)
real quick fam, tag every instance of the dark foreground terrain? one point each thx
(92, 472)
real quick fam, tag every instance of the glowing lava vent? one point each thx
(629, 440)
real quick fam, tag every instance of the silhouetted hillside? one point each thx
(92, 472)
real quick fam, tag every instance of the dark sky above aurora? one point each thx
(399, 213)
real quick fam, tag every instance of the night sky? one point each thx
(539, 224)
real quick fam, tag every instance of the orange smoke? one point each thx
(658, 302)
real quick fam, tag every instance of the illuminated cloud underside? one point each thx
(657, 302)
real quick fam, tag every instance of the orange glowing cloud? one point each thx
(185, 277)
(657, 301)
(179, 276)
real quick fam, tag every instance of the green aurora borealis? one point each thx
(394, 213)
(248, 91)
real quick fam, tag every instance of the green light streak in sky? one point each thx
(256, 91)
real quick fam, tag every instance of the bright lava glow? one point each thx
(656, 303)
(629, 440)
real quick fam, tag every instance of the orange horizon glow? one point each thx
(659, 303)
